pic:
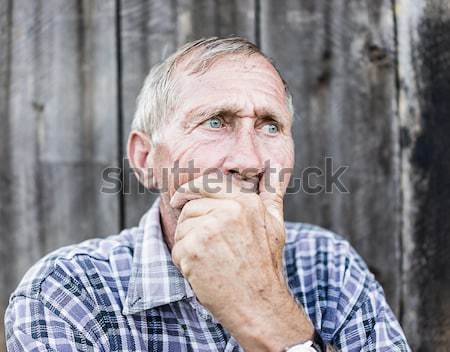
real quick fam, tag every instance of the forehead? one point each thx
(239, 79)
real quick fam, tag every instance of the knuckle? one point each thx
(179, 233)
(208, 228)
(187, 208)
(176, 254)
(183, 229)
(185, 268)
(209, 231)
(192, 251)
(193, 256)
(184, 255)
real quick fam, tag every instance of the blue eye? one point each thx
(214, 122)
(271, 128)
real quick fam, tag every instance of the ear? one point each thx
(139, 150)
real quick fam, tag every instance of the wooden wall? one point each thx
(371, 84)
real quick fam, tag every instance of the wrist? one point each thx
(316, 344)
(284, 324)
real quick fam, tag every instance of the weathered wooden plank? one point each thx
(22, 138)
(58, 105)
(339, 60)
(78, 134)
(150, 31)
(424, 109)
(7, 276)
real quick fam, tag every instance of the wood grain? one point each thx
(8, 276)
(339, 60)
(59, 123)
(424, 110)
(371, 86)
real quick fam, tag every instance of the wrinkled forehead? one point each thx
(197, 65)
(237, 70)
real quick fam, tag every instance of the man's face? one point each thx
(231, 118)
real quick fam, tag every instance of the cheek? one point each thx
(162, 163)
(195, 158)
(287, 174)
(279, 152)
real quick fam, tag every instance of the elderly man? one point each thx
(212, 266)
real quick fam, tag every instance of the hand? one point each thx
(229, 247)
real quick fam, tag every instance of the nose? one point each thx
(243, 158)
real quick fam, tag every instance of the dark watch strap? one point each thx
(318, 343)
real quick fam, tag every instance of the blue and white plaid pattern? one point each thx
(123, 293)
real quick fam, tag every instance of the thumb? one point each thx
(271, 191)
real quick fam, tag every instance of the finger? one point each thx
(271, 190)
(196, 229)
(190, 216)
(197, 207)
(189, 249)
(185, 228)
(197, 216)
(177, 254)
(180, 257)
(218, 186)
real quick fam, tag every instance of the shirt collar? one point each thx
(154, 279)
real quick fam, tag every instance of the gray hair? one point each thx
(156, 98)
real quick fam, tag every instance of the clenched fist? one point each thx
(228, 245)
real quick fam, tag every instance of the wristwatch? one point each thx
(316, 345)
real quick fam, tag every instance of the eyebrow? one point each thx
(227, 109)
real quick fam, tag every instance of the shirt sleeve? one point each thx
(31, 326)
(372, 327)
(370, 324)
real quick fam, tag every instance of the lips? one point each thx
(247, 185)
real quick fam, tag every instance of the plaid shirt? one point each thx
(123, 293)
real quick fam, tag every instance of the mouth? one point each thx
(246, 184)
(232, 183)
